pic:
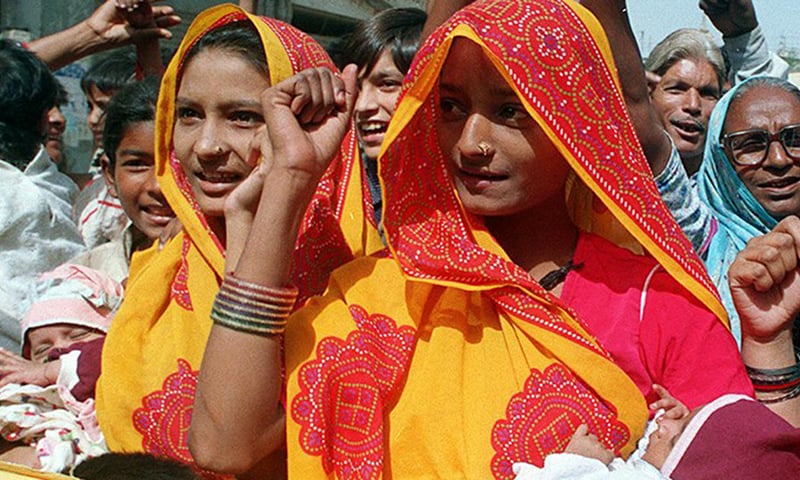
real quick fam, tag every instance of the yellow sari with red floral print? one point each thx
(441, 358)
(156, 343)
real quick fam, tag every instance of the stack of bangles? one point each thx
(776, 385)
(252, 308)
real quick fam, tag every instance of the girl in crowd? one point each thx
(209, 110)
(532, 282)
(382, 47)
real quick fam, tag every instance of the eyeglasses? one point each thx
(749, 147)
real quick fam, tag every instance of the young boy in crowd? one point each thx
(129, 171)
(99, 216)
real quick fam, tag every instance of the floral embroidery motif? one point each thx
(551, 43)
(166, 414)
(180, 288)
(343, 393)
(541, 419)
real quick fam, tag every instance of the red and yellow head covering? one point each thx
(555, 56)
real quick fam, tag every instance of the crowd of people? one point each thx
(483, 241)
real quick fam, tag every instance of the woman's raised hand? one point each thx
(306, 117)
(765, 283)
(765, 286)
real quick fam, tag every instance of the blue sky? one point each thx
(652, 20)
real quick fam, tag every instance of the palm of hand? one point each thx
(764, 314)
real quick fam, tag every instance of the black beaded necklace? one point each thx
(554, 278)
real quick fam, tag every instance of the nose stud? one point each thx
(218, 150)
(484, 147)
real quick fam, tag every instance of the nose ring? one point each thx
(484, 147)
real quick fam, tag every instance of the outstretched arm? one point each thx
(104, 29)
(613, 15)
(743, 40)
(765, 286)
(238, 420)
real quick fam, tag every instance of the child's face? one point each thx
(133, 181)
(663, 439)
(44, 339)
(97, 101)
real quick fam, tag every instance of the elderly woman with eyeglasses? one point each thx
(750, 182)
(750, 177)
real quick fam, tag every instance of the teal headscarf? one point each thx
(740, 217)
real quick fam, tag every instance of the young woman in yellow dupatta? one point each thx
(511, 164)
(208, 112)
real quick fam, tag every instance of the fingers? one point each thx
(9, 357)
(791, 226)
(665, 400)
(169, 232)
(259, 143)
(675, 411)
(348, 95)
(129, 5)
(653, 79)
(581, 431)
(306, 117)
(165, 18)
(712, 7)
(316, 94)
(766, 260)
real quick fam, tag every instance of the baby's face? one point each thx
(44, 339)
(664, 437)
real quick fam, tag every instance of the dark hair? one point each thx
(28, 91)
(62, 97)
(133, 104)
(239, 37)
(399, 29)
(133, 466)
(111, 73)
